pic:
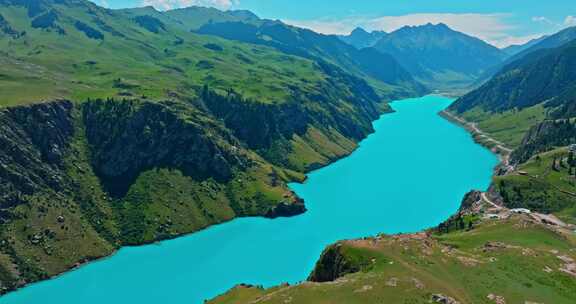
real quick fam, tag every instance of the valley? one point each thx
(188, 150)
(373, 185)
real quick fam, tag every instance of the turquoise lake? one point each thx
(409, 175)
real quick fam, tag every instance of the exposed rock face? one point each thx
(128, 138)
(33, 140)
(544, 137)
(258, 125)
(439, 298)
(269, 128)
(286, 209)
(456, 222)
(469, 199)
(332, 265)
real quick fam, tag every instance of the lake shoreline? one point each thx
(461, 123)
(95, 259)
(385, 142)
(484, 140)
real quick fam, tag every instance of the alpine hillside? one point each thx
(124, 127)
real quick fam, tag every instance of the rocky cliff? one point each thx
(33, 140)
(544, 137)
(334, 264)
(127, 138)
(78, 180)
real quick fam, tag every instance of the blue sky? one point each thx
(501, 22)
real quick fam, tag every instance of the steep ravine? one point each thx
(80, 180)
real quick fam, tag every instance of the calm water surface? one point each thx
(411, 174)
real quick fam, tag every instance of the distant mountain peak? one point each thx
(438, 27)
(440, 56)
(361, 38)
(246, 14)
(149, 7)
(359, 30)
(442, 25)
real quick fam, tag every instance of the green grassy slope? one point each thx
(135, 58)
(529, 106)
(84, 51)
(546, 183)
(194, 17)
(75, 49)
(515, 260)
(537, 87)
(508, 127)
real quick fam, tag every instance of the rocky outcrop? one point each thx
(333, 264)
(544, 137)
(468, 201)
(127, 138)
(442, 299)
(459, 221)
(256, 124)
(33, 140)
(286, 209)
(269, 128)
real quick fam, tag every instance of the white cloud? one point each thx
(517, 40)
(570, 21)
(326, 26)
(172, 4)
(542, 19)
(492, 28)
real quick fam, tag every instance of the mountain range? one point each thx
(439, 56)
(434, 54)
(546, 42)
(376, 67)
(125, 127)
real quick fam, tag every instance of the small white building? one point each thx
(521, 211)
(572, 148)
